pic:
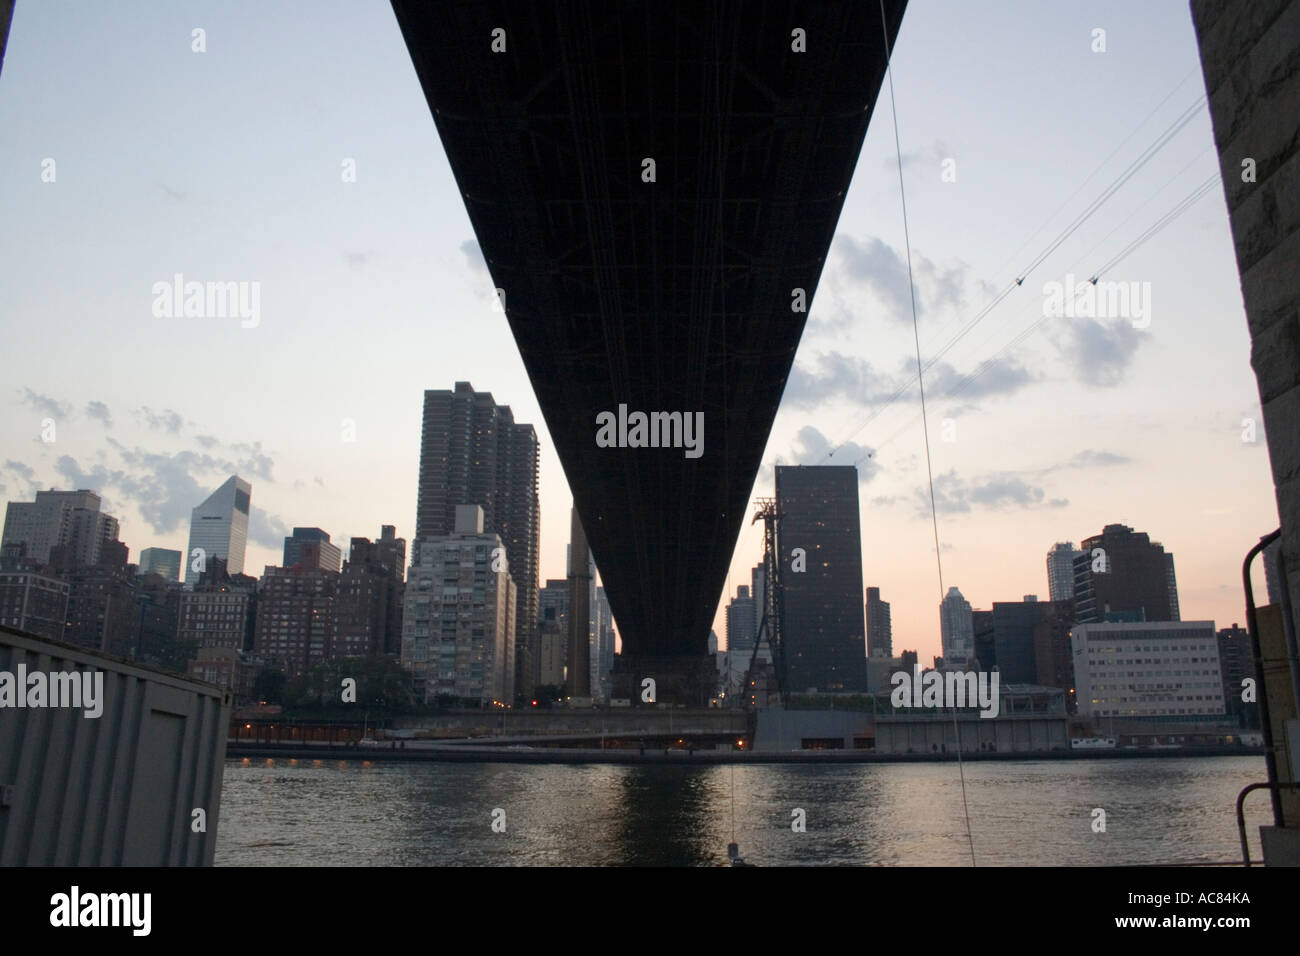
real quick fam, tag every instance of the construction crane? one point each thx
(772, 624)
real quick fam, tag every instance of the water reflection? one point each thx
(1035, 813)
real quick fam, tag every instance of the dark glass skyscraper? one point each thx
(824, 637)
(473, 453)
(311, 548)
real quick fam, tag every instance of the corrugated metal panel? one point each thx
(114, 790)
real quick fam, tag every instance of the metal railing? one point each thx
(1241, 811)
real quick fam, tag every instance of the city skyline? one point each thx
(1018, 475)
(968, 399)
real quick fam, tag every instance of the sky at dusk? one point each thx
(228, 165)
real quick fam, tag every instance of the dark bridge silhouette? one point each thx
(654, 186)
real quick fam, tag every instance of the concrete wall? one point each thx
(639, 720)
(1251, 62)
(779, 730)
(1006, 734)
(785, 730)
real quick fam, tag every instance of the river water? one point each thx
(351, 813)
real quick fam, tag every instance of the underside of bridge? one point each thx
(655, 186)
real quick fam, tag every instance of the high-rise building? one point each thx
(1147, 669)
(458, 624)
(32, 599)
(545, 660)
(1236, 664)
(1020, 629)
(582, 595)
(741, 635)
(880, 632)
(158, 602)
(1171, 583)
(1122, 574)
(604, 657)
(369, 605)
(824, 637)
(219, 529)
(956, 629)
(68, 519)
(880, 671)
(473, 452)
(219, 614)
(985, 645)
(1060, 571)
(161, 561)
(102, 610)
(296, 623)
(758, 591)
(311, 548)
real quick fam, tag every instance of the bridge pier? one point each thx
(677, 680)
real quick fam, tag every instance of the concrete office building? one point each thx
(1147, 669)
(219, 529)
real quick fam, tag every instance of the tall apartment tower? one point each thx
(956, 628)
(1060, 571)
(880, 632)
(824, 637)
(473, 453)
(1124, 575)
(219, 529)
(458, 624)
(68, 519)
